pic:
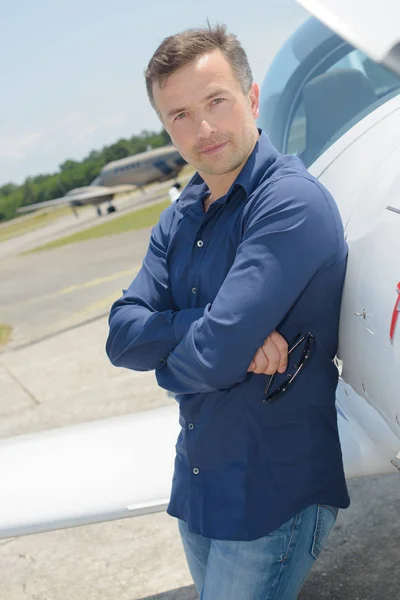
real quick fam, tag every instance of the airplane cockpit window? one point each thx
(317, 88)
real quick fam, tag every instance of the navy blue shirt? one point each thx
(269, 255)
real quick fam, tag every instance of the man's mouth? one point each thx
(213, 149)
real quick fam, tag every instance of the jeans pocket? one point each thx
(324, 522)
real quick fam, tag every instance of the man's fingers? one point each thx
(260, 361)
(272, 355)
(282, 346)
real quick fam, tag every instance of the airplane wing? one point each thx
(123, 467)
(373, 27)
(81, 196)
(87, 473)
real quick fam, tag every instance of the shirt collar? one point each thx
(262, 156)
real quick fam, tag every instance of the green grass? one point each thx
(22, 225)
(5, 334)
(145, 217)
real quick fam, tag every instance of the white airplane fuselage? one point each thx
(362, 172)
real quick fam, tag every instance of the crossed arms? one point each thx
(285, 242)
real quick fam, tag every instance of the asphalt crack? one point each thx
(20, 384)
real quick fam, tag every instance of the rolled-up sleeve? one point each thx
(143, 327)
(288, 237)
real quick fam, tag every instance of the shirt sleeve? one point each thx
(290, 234)
(143, 327)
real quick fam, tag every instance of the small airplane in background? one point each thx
(119, 177)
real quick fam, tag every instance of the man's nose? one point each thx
(205, 129)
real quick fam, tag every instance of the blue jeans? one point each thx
(273, 567)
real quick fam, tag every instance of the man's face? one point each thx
(207, 115)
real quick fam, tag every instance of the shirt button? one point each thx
(196, 471)
(191, 426)
(200, 243)
(194, 290)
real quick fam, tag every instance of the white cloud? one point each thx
(18, 146)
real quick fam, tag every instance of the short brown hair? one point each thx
(177, 51)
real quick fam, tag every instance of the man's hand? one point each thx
(271, 357)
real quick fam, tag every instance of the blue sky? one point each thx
(72, 71)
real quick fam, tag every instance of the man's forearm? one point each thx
(141, 339)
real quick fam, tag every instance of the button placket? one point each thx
(197, 257)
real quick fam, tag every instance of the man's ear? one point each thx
(254, 95)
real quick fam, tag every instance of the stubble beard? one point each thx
(237, 154)
(232, 161)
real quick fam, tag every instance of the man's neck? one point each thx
(219, 184)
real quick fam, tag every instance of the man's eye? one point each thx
(217, 100)
(181, 115)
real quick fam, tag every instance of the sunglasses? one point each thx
(308, 341)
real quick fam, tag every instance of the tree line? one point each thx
(73, 174)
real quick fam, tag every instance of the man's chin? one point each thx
(220, 169)
(213, 170)
(215, 167)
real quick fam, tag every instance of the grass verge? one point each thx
(22, 225)
(145, 217)
(5, 334)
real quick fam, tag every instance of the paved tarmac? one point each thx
(55, 372)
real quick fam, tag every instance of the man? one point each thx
(254, 246)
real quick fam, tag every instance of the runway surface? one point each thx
(46, 292)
